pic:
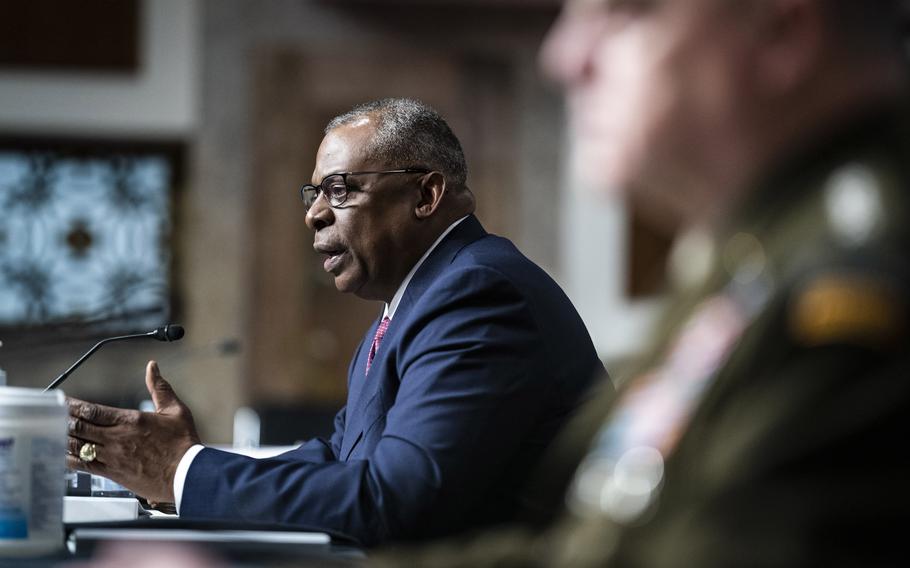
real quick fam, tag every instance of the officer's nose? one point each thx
(566, 54)
(321, 214)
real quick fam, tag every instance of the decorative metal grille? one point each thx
(84, 237)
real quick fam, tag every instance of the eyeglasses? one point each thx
(336, 189)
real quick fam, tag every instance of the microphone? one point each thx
(170, 332)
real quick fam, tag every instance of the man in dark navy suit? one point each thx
(454, 392)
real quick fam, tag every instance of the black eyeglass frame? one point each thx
(334, 199)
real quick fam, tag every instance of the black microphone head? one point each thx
(173, 332)
(170, 332)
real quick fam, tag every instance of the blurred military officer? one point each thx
(765, 424)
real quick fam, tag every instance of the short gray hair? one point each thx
(409, 134)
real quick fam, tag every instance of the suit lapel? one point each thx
(363, 387)
(358, 389)
(461, 236)
(464, 234)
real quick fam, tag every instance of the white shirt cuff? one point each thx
(183, 468)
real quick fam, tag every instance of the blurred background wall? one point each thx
(228, 98)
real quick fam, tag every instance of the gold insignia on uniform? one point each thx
(846, 308)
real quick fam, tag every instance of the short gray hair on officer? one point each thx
(410, 134)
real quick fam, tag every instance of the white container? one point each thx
(32, 464)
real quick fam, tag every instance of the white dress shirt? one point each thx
(183, 467)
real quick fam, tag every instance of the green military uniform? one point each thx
(765, 427)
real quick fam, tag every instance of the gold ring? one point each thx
(87, 452)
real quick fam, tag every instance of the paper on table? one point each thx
(188, 535)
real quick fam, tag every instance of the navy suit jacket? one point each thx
(482, 363)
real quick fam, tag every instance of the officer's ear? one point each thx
(432, 190)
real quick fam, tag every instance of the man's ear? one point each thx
(791, 36)
(432, 190)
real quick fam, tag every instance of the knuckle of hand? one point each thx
(184, 413)
(76, 409)
(132, 418)
(90, 413)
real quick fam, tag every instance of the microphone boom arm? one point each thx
(167, 333)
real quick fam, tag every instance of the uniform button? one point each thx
(744, 258)
(853, 204)
(623, 490)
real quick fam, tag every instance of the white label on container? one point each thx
(13, 490)
(31, 487)
(47, 486)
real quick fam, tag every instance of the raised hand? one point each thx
(139, 450)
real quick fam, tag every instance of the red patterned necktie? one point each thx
(380, 332)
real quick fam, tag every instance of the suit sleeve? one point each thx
(320, 450)
(471, 386)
